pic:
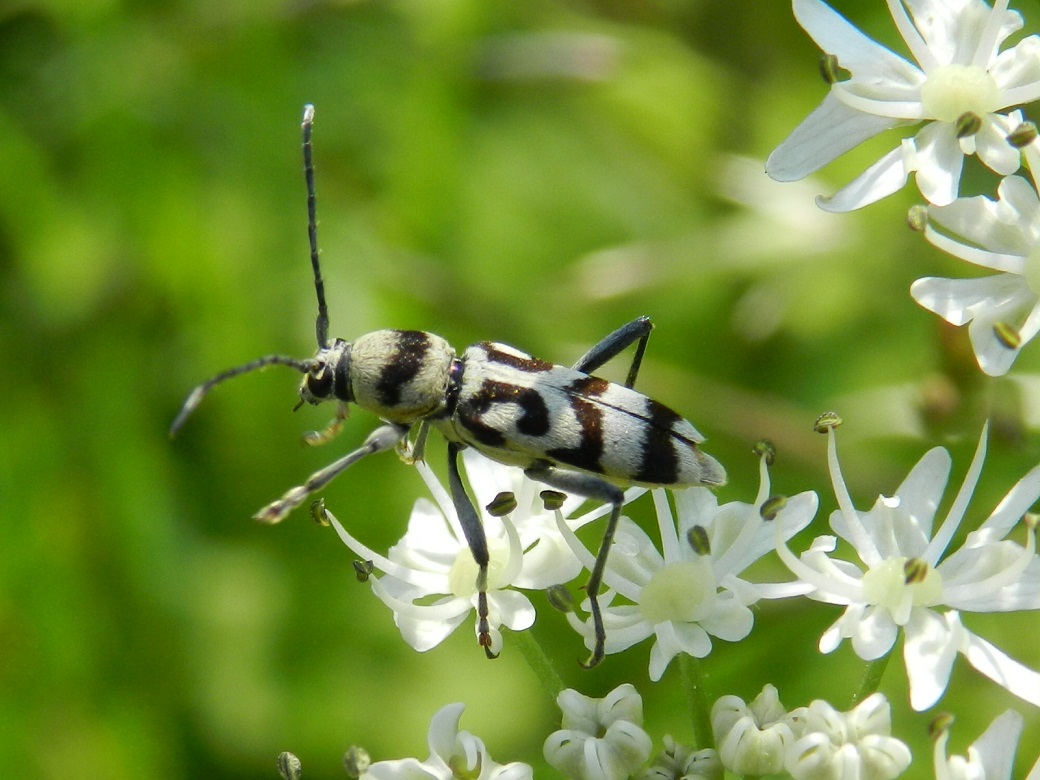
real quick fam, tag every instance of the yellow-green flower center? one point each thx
(900, 583)
(954, 90)
(680, 592)
(462, 578)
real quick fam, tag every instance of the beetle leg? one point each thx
(597, 489)
(330, 431)
(637, 330)
(473, 530)
(383, 438)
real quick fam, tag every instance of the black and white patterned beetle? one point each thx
(565, 428)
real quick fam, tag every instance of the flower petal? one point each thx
(929, 650)
(832, 129)
(881, 179)
(874, 634)
(996, 747)
(992, 147)
(444, 727)
(1002, 669)
(1005, 226)
(958, 301)
(920, 493)
(868, 60)
(1017, 72)
(939, 163)
(1009, 511)
(402, 769)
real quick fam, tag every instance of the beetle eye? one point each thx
(319, 382)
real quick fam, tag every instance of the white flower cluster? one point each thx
(961, 93)
(896, 571)
(453, 754)
(681, 597)
(603, 739)
(905, 582)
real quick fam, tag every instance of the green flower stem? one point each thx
(539, 662)
(871, 679)
(700, 704)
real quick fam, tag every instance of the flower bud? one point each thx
(751, 739)
(289, 766)
(678, 762)
(356, 761)
(600, 738)
(857, 743)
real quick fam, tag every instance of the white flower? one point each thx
(430, 576)
(453, 754)
(906, 578)
(960, 81)
(753, 739)
(1002, 311)
(679, 762)
(990, 757)
(601, 739)
(684, 597)
(855, 745)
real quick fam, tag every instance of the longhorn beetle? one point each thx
(565, 428)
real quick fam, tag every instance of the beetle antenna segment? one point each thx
(321, 326)
(195, 396)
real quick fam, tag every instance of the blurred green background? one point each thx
(536, 173)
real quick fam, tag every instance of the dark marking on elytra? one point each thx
(587, 387)
(660, 462)
(528, 364)
(403, 366)
(533, 419)
(589, 451)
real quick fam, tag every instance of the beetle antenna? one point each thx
(321, 326)
(195, 396)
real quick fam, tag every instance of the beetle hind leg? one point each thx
(598, 489)
(638, 330)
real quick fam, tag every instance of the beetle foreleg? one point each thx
(330, 431)
(382, 438)
(599, 490)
